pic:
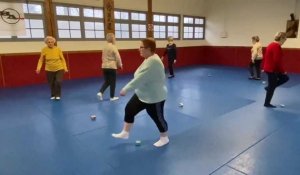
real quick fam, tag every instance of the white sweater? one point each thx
(111, 58)
(149, 81)
(256, 52)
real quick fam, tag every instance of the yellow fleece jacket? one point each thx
(53, 58)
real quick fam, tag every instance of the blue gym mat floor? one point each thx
(222, 128)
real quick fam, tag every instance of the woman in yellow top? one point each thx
(55, 66)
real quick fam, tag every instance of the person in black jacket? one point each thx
(171, 53)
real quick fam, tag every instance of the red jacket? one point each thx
(273, 58)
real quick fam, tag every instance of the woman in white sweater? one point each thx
(150, 93)
(256, 58)
(111, 61)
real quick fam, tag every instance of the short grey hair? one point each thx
(170, 38)
(49, 38)
(110, 37)
(279, 36)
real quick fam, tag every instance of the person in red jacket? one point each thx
(273, 66)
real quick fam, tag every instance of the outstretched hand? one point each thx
(123, 92)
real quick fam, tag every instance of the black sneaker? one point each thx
(269, 106)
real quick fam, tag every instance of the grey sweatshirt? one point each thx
(149, 81)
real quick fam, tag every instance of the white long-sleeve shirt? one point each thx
(256, 52)
(149, 81)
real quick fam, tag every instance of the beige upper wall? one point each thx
(242, 19)
(239, 18)
(185, 7)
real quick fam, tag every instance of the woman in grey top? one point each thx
(150, 93)
(111, 61)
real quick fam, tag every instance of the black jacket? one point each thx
(171, 51)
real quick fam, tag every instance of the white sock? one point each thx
(162, 141)
(121, 135)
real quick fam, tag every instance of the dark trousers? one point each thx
(170, 66)
(155, 111)
(110, 76)
(55, 80)
(274, 80)
(255, 66)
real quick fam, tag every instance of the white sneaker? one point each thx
(99, 94)
(114, 98)
(57, 98)
(162, 141)
(121, 135)
(52, 98)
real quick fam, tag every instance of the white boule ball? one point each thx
(180, 104)
(93, 117)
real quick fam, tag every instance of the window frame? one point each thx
(193, 25)
(81, 19)
(94, 20)
(131, 22)
(168, 24)
(138, 22)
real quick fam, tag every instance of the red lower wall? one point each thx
(1, 74)
(240, 56)
(229, 56)
(19, 70)
(292, 60)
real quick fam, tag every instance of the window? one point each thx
(138, 26)
(122, 24)
(93, 23)
(94, 29)
(173, 26)
(166, 25)
(34, 23)
(139, 31)
(193, 27)
(69, 29)
(79, 22)
(130, 24)
(138, 16)
(159, 31)
(68, 22)
(34, 29)
(67, 11)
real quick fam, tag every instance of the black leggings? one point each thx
(110, 76)
(155, 111)
(170, 66)
(256, 66)
(274, 80)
